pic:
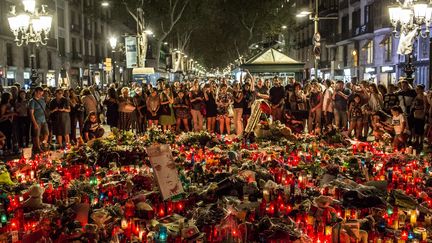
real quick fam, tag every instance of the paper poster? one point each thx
(131, 51)
(56, 155)
(165, 170)
(27, 153)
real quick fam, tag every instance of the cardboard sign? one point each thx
(165, 170)
(27, 153)
(56, 155)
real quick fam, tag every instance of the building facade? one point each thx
(303, 38)
(75, 51)
(360, 45)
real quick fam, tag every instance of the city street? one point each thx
(303, 121)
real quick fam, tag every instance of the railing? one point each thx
(75, 28)
(364, 29)
(343, 4)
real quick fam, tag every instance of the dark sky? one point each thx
(221, 29)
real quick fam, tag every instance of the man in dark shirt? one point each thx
(340, 98)
(261, 90)
(406, 97)
(277, 94)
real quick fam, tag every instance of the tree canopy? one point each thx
(214, 32)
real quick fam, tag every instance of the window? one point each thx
(60, 17)
(26, 57)
(38, 61)
(97, 52)
(368, 13)
(9, 54)
(423, 48)
(388, 47)
(61, 46)
(345, 55)
(356, 18)
(89, 23)
(49, 59)
(345, 26)
(74, 50)
(369, 53)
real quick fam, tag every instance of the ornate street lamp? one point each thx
(412, 19)
(31, 26)
(113, 43)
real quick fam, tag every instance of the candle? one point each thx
(428, 220)
(124, 223)
(413, 217)
(266, 195)
(328, 230)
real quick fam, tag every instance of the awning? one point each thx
(366, 44)
(384, 40)
(137, 71)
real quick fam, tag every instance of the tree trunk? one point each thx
(158, 51)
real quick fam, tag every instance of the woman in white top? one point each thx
(89, 102)
(400, 127)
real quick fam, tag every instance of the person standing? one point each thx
(340, 98)
(60, 109)
(76, 115)
(224, 101)
(22, 119)
(111, 103)
(390, 99)
(181, 107)
(238, 108)
(89, 102)
(140, 104)
(327, 109)
(6, 118)
(419, 111)
(126, 108)
(211, 107)
(315, 112)
(249, 98)
(38, 116)
(153, 105)
(196, 98)
(276, 98)
(166, 118)
(400, 127)
(261, 90)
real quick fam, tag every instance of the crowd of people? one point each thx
(358, 110)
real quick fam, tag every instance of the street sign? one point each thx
(108, 64)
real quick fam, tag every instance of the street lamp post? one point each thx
(113, 44)
(30, 27)
(409, 18)
(317, 36)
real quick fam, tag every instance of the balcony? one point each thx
(75, 28)
(364, 29)
(76, 56)
(343, 4)
(87, 34)
(89, 59)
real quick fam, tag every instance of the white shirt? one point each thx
(328, 100)
(397, 123)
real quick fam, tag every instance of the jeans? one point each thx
(341, 119)
(197, 119)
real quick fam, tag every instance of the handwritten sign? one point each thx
(27, 153)
(165, 170)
